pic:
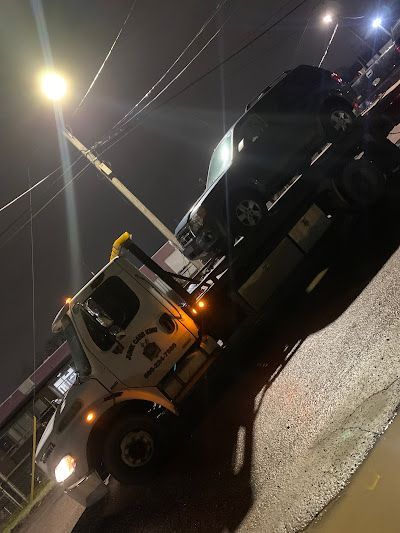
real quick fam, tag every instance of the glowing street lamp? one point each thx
(377, 22)
(53, 85)
(327, 18)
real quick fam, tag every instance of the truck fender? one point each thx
(149, 394)
(121, 399)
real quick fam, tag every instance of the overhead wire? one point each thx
(122, 134)
(203, 27)
(218, 8)
(127, 18)
(128, 117)
(115, 140)
(36, 213)
(33, 339)
(30, 189)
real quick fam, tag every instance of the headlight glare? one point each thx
(65, 468)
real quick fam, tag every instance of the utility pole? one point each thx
(107, 172)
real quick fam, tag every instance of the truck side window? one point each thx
(119, 302)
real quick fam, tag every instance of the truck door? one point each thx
(133, 330)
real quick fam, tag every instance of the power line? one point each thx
(33, 337)
(9, 204)
(204, 26)
(236, 53)
(202, 76)
(112, 135)
(34, 215)
(107, 56)
(124, 134)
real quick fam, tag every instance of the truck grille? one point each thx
(185, 236)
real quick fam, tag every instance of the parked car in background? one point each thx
(378, 77)
(276, 138)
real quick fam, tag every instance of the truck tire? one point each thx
(132, 449)
(248, 212)
(361, 184)
(337, 119)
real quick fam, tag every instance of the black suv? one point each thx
(275, 139)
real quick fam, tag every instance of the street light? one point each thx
(377, 22)
(53, 85)
(327, 18)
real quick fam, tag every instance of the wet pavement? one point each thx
(370, 504)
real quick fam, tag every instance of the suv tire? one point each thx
(337, 119)
(248, 211)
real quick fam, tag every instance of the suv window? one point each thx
(221, 159)
(118, 303)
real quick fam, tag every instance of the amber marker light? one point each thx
(90, 417)
(68, 300)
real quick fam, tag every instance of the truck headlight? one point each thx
(196, 221)
(65, 468)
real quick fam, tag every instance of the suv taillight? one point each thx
(336, 77)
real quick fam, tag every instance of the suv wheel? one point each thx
(337, 120)
(248, 212)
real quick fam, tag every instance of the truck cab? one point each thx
(137, 352)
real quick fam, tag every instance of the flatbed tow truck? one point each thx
(140, 351)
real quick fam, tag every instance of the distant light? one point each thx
(327, 18)
(53, 85)
(201, 304)
(90, 417)
(68, 300)
(194, 311)
(377, 22)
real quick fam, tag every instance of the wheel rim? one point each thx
(341, 120)
(249, 213)
(137, 448)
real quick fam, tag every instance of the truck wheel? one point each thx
(361, 184)
(248, 212)
(337, 119)
(132, 449)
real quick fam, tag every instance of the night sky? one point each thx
(163, 161)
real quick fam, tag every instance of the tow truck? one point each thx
(141, 348)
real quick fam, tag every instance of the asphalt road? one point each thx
(267, 450)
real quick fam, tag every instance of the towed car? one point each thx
(272, 141)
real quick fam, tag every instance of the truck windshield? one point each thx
(82, 364)
(221, 159)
